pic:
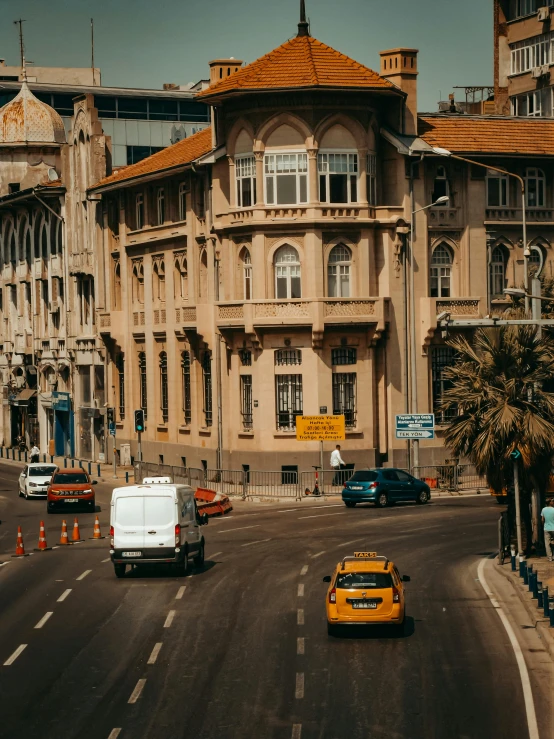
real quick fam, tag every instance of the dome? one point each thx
(25, 120)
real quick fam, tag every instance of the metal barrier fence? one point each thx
(451, 477)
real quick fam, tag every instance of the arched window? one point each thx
(28, 247)
(440, 185)
(44, 241)
(338, 272)
(21, 239)
(138, 281)
(116, 276)
(287, 273)
(497, 273)
(13, 247)
(164, 400)
(59, 237)
(246, 266)
(120, 365)
(143, 383)
(535, 187)
(160, 202)
(534, 261)
(203, 275)
(441, 272)
(182, 201)
(180, 277)
(159, 280)
(187, 404)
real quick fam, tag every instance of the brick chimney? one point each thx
(400, 67)
(222, 68)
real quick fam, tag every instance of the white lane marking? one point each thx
(114, 733)
(216, 554)
(15, 655)
(135, 695)
(301, 590)
(300, 645)
(103, 561)
(346, 543)
(314, 556)
(63, 596)
(5, 563)
(300, 617)
(169, 619)
(260, 541)
(296, 731)
(313, 507)
(299, 692)
(241, 528)
(56, 547)
(520, 659)
(304, 570)
(83, 575)
(321, 515)
(44, 619)
(154, 656)
(180, 592)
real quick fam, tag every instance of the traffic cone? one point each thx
(64, 538)
(76, 536)
(19, 547)
(97, 534)
(42, 545)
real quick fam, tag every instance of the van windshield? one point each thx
(364, 476)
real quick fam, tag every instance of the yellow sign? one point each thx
(365, 555)
(320, 428)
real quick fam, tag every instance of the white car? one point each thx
(35, 479)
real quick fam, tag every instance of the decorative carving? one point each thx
(188, 314)
(230, 311)
(293, 238)
(334, 236)
(349, 308)
(458, 307)
(397, 244)
(277, 310)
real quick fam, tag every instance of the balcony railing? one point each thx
(318, 211)
(457, 308)
(444, 216)
(514, 215)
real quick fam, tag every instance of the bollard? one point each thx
(72, 462)
(65, 462)
(51, 459)
(19, 454)
(521, 564)
(89, 468)
(551, 612)
(513, 558)
(530, 579)
(25, 456)
(98, 468)
(539, 597)
(545, 600)
(536, 585)
(127, 477)
(525, 574)
(13, 454)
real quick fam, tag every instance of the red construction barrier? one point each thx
(212, 503)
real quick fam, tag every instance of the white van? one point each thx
(155, 524)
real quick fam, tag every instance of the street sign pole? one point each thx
(518, 509)
(140, 446)
(114, 460)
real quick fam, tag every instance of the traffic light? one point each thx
(139, 421)
(110, 415)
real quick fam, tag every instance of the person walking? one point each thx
(547, 518)
(35, 454)
(337, 464)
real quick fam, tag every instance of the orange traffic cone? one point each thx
(42, 545)
(76, 536)
(19, 547)
(97, 534)
(64, 538)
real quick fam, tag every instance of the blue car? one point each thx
(383, 487)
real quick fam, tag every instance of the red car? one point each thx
(71, 488)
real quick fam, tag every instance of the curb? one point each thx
(546, 633)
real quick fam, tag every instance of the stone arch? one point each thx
(503, 241)
(288, 119)
(240, 129)
(291, 241)
(332, 128)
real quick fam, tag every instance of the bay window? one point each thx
(535, 187)
(338, 177)
(497, 189)
(286, 179)
(245, 172)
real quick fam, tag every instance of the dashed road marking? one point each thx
(250, 543)
(63, 596)
(103, 561)
(304, 570)
(154, 656)
(15, 655)
(314, 556)
(216, 554)
(169, 619)
(44, 619)
(5, 563)
(296, 731)
(346, 543)
(299, 691)
(135, 695)
(313, 507)
(300, 617)
(300, 645)
(83, 575)
(321, 515)
(114, 733)
(241, 528)
(180, 592)
(301, 590)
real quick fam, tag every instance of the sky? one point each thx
(144, 43)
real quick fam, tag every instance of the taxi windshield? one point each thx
(376, 580)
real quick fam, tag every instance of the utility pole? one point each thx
(20, 23)
(518, 506)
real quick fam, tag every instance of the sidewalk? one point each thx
(545, 575)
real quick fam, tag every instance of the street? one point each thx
(240, 649)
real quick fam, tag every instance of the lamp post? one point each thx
(413, 345)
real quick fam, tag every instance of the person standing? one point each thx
(337, 464)
(35, 454)
(547, 518)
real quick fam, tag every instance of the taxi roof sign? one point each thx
(367, 555)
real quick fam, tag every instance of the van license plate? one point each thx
(131, 554)
(364, 604)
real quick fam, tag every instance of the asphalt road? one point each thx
(240, 649)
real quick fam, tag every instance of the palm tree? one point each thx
(498, 389)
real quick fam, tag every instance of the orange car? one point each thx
(365, 590)
(71, 488)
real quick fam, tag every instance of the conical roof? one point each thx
(302, 62)
(25, 120)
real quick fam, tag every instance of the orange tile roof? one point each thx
(301, 62)
(488, 134)
(183, 152)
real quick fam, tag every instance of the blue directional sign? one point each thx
(415, 426)
(112, 429)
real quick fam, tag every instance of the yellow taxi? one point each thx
(365, 589)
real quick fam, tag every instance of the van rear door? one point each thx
(160, 517)
(128, 522)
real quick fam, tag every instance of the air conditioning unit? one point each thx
(543, 14)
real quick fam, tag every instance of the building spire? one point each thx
(303, 26)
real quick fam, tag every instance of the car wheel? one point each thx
(422, 497)
(332, 629)
(350, 503)
(199, 559)
(181, 568)
(382, 500)
(26, 495)
(119, 570)
(93, 506)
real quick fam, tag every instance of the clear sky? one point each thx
(144, 43)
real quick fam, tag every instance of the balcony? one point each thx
(514, 215)
(430, 308)
(317, 314)
(444, 217)
(266, 214)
